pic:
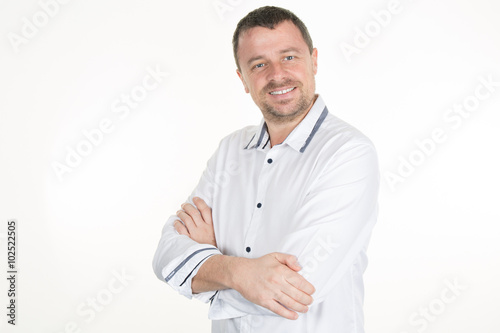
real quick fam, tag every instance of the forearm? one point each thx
(271, 282)
(216, 273)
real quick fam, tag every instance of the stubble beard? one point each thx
(278, 117)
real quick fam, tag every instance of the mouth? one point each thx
(282, 92)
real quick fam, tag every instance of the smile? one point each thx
(281, 92)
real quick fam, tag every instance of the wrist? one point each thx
(233, 271)
(219, 272)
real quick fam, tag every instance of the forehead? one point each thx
(260, 40)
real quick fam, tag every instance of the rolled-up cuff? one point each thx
(179, 273)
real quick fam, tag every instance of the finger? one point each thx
(280, 310)
(297, 295)
(192, 212)
(289, 260)
(186, 219)
(298, 282)
(180, 228)
(292, 262)
(205, 210)
(291, 303)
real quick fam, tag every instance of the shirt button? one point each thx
(259, 205)
(270, 161)
(248, 249)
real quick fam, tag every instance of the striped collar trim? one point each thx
(301, 136)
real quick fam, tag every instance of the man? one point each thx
(275, 233)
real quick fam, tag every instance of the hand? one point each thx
(272, 281)
(197, 222)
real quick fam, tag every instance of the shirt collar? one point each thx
(301, 135)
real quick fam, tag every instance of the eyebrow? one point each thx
(290, 49)
(254, 59)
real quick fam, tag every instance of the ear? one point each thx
(242, 80)
(314, 56)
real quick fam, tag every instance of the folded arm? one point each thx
(188, 260)
(339, 211)
(334, 225)
(270, 281)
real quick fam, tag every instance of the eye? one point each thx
(289, 58)
(259, 66)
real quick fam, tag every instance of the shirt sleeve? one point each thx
(178, 258)
(332, 226)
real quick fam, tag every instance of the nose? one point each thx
(276, 72)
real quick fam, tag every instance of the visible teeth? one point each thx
(281, 92)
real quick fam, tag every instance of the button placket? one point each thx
(260, 202)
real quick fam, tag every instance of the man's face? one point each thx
(278, 71)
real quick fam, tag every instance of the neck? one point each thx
(279, 131)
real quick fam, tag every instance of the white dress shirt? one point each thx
(313, 196)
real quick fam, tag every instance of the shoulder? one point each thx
(336, 135)
(344, 151)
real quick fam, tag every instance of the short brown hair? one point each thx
(268, 17)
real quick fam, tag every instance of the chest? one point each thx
(256, 195)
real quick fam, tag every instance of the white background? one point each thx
(105, 216)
